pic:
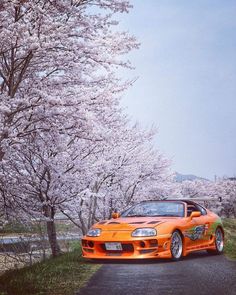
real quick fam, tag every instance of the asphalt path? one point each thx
(198, 273)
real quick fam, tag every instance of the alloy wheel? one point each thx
(176, 245)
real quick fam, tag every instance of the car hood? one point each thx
(130, 223)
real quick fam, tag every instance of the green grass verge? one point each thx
(16, 228)
(63, 275)
(230, 237)
(35, 228)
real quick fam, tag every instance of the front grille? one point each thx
(125, 248)
(128, 247)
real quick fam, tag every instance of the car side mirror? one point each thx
(195, 214)
(115, 215)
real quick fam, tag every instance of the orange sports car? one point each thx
(155, 229)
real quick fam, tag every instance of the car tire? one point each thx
(176, 246)
(219, 243)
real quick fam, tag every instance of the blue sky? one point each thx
(187, 81)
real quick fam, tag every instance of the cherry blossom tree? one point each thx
(197, 188)
(54, 55)
(225, 188)
(58, 62)
(126, 170)
(65, 144)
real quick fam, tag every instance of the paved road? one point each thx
(198, 273)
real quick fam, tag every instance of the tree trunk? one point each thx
(52, 237)
(1, 154)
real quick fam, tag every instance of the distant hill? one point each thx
(182, 177)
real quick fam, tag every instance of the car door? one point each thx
(197, 232)
(204, 220)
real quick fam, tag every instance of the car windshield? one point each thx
(159, 208)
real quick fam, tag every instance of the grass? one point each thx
(15, 228)
(230, 237)
(35, 228)
(63, 275)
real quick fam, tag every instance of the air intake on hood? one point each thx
(113, 222)
(137, 222)
(154, 222)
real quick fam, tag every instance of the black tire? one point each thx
(219, 243)
(176, 246)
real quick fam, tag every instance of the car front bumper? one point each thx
(135, 248)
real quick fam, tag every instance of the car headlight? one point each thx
(94, 232)
(144, 232)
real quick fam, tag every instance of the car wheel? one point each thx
(176, 246)
(219, 242)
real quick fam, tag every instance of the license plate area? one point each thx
(113, 246)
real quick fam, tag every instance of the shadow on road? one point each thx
(192, 256)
